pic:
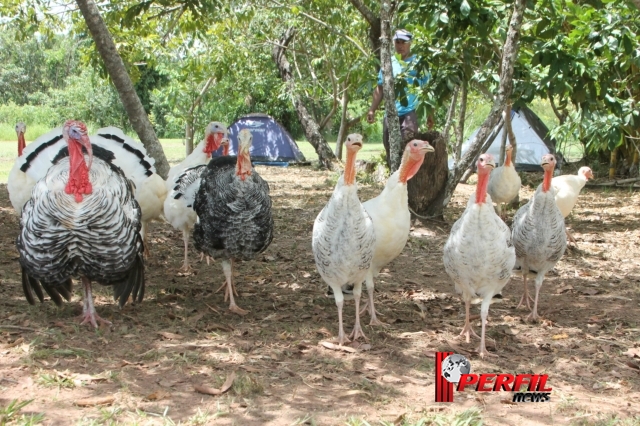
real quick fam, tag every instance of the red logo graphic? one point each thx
(456, 369)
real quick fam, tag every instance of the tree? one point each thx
(118, 73)
(311, 129)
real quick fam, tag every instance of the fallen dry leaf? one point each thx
(211, 391)
(538, 369)
(157, 395)
(92, 402)
(334, 347)
(560, 336)
(632, 352)
(170, 336)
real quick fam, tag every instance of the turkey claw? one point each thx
(237, 310)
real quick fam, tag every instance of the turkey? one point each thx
(21, 129)
(389, 212)
(233, 209)
(132, 158)
(344, 239)
(504, 183)
(539, 234)
(81, 220)
(478, 255)
(178, 207)
(567, 189)
(213, 135)
(32, 165)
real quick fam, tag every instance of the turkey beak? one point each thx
(427, 148)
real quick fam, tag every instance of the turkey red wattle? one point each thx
(78, 183)
(507, 160)
(213, 142)
(243, 167)
(548, 164)
(484, 171)
(21, 143)
(225, 149)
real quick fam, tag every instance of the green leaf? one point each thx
(465, 9)
(444, 18)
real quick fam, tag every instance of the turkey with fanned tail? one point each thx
(344, 239)
(539, 234)
(82, 220)
(233, 209)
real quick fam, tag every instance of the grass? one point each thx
(11, 414)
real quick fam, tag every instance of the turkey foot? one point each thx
(525, 297)
(237, 310)
(374, 314)
(226, 290)
(94, 319)
(533, 317)
(209, 258)
(357, 333)
(483, 352)
(570, 238)
(185, 266)
(467, 331)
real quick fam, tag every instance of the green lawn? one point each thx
(174, 150)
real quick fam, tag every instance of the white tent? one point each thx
(532, 139)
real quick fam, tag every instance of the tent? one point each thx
(272, 144)
(532, 138)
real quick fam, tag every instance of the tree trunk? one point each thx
(460, 127)
(375, 30)
(510, 52)
(425, 186)
(311, 129)
(391, 113)
(121, 80)
(451, 118)
(188, 136)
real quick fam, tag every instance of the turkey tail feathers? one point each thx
(133, 285)
(31, 285)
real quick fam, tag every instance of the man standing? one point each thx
(407, 113)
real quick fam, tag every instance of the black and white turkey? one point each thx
(184, 181)
(82, 220)
(233, 209)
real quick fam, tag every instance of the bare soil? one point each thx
(144, 369)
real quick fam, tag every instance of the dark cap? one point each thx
(403, 35)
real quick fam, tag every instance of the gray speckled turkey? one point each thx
(233, 209)
(82, 219)
(539, 234)
(479, 255)
(344, 238)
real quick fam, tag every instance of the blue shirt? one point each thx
(412, 99)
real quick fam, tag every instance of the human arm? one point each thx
(377, 98)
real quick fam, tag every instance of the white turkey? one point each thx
(21, 129)
(233, 209)
(504, 183)
(184, 181)
(201, 154)
(132, 158)
(567, 189)
(539, 234)
(478, 255)
(390, 214)
(81, 220)
(344, 239)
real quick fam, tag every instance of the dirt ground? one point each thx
(144, 370)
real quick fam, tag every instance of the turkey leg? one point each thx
(89, 314)
(227, 267)
(525, 297)
(467, 330)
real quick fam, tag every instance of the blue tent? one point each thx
(272, 144)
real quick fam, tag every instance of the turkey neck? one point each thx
(243, 166)
(225, 150)
(546, 182)
(481, 190)
(409, 167)
(350, 168)
(78, 183)
(21, 143)
(507, 161)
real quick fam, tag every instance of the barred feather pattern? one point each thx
(234, 218)
(187, 185)
(97, 238)
(539, 234)
(479, 255)
(343, 238)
